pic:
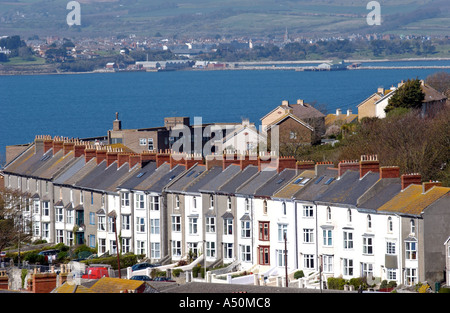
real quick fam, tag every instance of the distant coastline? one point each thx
(17, 70)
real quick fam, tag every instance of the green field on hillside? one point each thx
(225, 17)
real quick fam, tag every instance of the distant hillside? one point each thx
(224, 18)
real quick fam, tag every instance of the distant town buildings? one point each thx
(375, 104)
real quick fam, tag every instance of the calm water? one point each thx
(84, 105)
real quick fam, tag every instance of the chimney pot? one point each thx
(368, 163)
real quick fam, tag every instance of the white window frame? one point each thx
(308, 235)
(139, 201)
(140, 224)
(308, 211)
(176, 223)
(155, 226)
(125, 199)
(368, 245)
(101, 225)
(327, 237)
(193, 225)
(210, 224)
(411, 250)
(348, 240)
(246, 229)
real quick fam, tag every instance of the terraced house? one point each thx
(266, 214)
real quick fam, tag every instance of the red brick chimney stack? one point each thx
(369, 163)
(111, 156)
(79, 149)
(286, 162)
(267, 159)
(389, 172)
(57, 144)
(100, 154)
(248, 159)
(134, 159)
(428, 185)
(305, 165)
(48, 143)
(192, 159)
(212, 160)
(346, 165)
(409, 179)
(122, 158)
(229, 158)
(146, 157)
(177, 158)
(68, 145)
(89, 153)
(162, 157)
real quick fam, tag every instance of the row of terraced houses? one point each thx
(262, 212)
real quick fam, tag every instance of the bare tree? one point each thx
(15, 218)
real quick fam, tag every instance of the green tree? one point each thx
(409, 96)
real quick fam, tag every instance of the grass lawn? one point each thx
(20, 61)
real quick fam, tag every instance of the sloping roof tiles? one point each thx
(412, 200)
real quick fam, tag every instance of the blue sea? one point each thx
(84, 105)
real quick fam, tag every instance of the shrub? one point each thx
(336, 283)
(359, 281)
(177, 272)
(299, 274)
(34, 257)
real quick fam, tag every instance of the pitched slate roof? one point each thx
(55, 165)
(381, 192)
(69, 171)
(204, 179)
(239, 179)
(297, 183)
(13, 166)
(317, 186)
(153, 178)
(295, 118)
(412, 200)
(83, 172)
(275, 183)
(348, 188)
(222, 178)
(188, 177)
(92, 175)
(252, 185)
(305, 110)
(165, 179)
(28, 162)
(143, 174)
